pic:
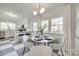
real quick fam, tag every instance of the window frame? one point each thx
(36, 26)
(7, 25)
(57, 25)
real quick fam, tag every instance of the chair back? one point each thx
(40, 51)
(58, 43)
(26, 43)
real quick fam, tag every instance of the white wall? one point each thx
(21, 22)
(77, 31)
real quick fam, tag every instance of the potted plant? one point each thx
(41, 30)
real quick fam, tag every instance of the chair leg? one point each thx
(23, 51)
(62, 52)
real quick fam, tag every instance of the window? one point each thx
(11, 26)
(45, 24)
(35, 26)
(5, 26)
(57, 25)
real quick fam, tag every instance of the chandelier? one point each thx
(39, 10)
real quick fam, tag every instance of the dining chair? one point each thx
(27, 45)
(57, 45)
(39, 51)
(16, 37)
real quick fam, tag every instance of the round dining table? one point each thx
(43, 40)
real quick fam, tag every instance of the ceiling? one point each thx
(24, 10)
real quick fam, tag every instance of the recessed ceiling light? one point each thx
(42, 10)
(35, 13)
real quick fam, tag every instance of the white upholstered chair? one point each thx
(39, 51)
(58, 45)
(27, 45)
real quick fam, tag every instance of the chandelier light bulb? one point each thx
(42, 10)
(35, 13)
